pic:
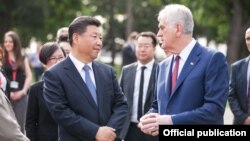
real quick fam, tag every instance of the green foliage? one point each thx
(38, 18)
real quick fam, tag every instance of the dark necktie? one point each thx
(140, 99)
(90, 83)
(175, 73)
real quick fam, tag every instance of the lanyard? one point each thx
(14, 68)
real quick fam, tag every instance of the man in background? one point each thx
(137, 82)
(239, 92)
(128, 51)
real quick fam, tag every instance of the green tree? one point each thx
(224, 21)
(36, 18)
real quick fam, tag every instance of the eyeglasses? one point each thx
(54, 59)
(146, 46)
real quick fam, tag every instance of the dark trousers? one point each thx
(135, 134)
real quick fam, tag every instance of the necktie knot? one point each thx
(86, 68)
(143, 68)
(177, 58)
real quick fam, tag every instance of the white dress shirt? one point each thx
(79, 66)
(147, 74)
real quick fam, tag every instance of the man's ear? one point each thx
(179, 29)
(75, 38)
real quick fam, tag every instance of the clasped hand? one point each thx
(149, 123)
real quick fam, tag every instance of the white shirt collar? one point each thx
(78, 64)
(148, 65)
(186, 51)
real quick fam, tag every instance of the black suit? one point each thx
(127, 83)
(238, 90)
(39, 124)
(128, 55)
(72, 106)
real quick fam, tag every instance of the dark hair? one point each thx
(62, 38)
(132, 35)
(1, 55)
(16, 48)
(47, 51)
(150, 35)
(79, 25)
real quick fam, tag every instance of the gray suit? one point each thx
(9, 128)
(127, 81)
(238, 90)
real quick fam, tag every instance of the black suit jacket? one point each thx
(39, 124)
(73, 107)
(128, 55)
(127, 84)
(238, 90)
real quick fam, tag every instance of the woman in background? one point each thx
(19, 74)
(39, 124)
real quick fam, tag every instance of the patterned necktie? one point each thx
(90, 83)
(175, 73)
(140, 98)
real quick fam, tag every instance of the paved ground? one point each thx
(228, 116)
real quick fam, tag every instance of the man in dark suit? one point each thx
(239, 90)
(128, 51)
(83, 96)
(130, 84)
(192, 85)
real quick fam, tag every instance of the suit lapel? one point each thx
(151, 86)
(99, 86)
(132, 84)
(243, 76)
(190, 63)
(163, 87)
(77, 80)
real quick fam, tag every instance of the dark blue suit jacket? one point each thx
(72, 106)
(201, 90)
(238, 91)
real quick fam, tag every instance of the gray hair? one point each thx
(176, 13)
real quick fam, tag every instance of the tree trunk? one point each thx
(235, 34)
(130, 18)
(111, 32)
(5, 18)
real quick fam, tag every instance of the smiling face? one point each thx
(8, 43)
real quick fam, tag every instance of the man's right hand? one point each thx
(105, 133)
(148, 124)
